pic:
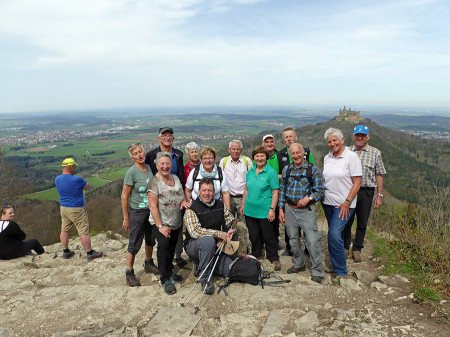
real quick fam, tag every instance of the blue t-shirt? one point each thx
(70, 190)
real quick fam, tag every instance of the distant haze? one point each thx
(158, 53)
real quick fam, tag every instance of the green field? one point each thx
(94, 181)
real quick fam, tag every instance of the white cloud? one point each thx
(216, 44)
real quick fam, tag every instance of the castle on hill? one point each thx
(349, 115)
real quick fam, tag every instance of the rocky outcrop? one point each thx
(48, 296)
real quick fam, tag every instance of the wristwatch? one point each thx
(160, 226)
(311, 198)
(272, 208)
(381, 195)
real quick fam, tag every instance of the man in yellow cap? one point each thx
(70, 189)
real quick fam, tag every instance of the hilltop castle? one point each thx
(349, 115)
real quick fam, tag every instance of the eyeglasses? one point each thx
(133, 145)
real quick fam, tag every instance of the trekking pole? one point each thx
(209, 278)
(201, 274)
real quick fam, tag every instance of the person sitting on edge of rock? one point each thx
(12, 244)
(206, 221)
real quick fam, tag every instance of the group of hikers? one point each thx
(240, 203)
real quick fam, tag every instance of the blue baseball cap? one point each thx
(361, 129)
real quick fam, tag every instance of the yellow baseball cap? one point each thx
(68, 162)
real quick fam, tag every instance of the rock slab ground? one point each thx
(48, 296)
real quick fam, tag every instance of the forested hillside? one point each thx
(413, 164)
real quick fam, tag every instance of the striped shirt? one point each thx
(195, 229)
(372, 165)
(298, 188)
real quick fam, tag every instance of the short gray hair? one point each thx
(296, 144)
(333, 132)
(236, 141)
(159, 155)
(192, 146)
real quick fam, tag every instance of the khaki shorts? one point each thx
(74, 216)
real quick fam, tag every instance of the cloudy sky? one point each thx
(85, 54)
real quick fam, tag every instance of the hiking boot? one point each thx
(67, 255)
(208, 287)
(181, 262)
(294, 270)
(94, 255)
(287, 253)
(150, 267)
(195, 270)
(169, 288)
(276, 265)
(176, 278)
(132, 281)
(356, 255)
(347, 253)
(317, 279)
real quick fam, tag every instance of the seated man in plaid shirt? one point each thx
(301, 187)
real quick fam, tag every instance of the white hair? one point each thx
(192, 146)
(236, 141)
(296, 144)
(159, 155)
(333, 132)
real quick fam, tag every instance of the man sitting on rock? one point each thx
(206, 221)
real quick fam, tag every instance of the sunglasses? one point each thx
(133, 145)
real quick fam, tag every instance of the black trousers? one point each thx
(262, 233)
(29, 245)
(362, 211)
(164, 254)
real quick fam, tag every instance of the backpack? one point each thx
(247, 269)
(197, 171)
(225, 161)
(307, 151)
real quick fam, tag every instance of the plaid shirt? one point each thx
(195, 229)
(297, 189)
(372, 165)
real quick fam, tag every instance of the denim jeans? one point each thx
(336, 228)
